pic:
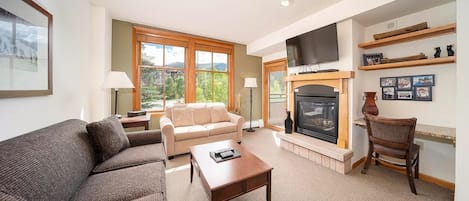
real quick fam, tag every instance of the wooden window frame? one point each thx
(212, 71)
(191, 44)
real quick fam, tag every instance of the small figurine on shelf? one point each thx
(450, 50)
(437, 52)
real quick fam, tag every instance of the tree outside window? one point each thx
(161, 76)
(211, 76)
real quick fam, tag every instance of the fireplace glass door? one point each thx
(317, 117)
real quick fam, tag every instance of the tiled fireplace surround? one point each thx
(336, 157)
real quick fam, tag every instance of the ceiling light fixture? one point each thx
(286, 2)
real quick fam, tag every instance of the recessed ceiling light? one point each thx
(286, 2)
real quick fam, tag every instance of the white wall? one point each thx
(462, 126)
(358, 137)
(70, 74)
(436, 159)
(100, 55)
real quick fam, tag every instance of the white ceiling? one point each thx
(240, 21)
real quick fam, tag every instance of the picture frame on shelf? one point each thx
(405, 95)
(388, 93)
(388, 81)
(404, 83)
(372, 59)
(423, 80)
(423, 93)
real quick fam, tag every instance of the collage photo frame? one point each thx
(408, 88)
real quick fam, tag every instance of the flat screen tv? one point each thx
(314, 47)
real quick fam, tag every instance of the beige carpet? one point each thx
(298, 179)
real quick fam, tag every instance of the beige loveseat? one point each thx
(185, 125)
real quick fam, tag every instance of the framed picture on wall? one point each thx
(388, 81)
(388, 93)
(423, 80)
(25, 49)
(423, 93)
(405, 95)
(404, 83)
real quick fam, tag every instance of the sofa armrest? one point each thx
(145, 137)
(239, 121)
(167, 131)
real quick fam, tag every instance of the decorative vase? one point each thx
(450, 50)
(370, 105)
(288, 123)
(437, 52)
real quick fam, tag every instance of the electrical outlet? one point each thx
(420, 143)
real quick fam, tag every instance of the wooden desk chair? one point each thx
(393, 138)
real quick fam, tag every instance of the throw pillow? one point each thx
(219, 114)
(108, 136)
(182, 117)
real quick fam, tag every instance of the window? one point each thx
(178, 68)
(161, 75)
(211, 77)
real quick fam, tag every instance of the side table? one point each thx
(138, 121)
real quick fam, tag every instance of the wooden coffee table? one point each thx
(231, 178)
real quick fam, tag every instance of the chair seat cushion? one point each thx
(124, 184)
(190, 132)
(133, 156)
(397, 153)
(220, 128)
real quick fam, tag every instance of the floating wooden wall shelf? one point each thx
(414, 63)
(409, 36)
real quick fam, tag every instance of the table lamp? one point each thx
(250, 82)
(116, 80)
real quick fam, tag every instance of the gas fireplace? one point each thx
(316, 112)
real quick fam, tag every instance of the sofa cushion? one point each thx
(200, 112)
(182, 117)
(190, 132)
(133, 156)
(108, 136)
(169, 109)
(219, 114)
(124, 184)
(220, 128)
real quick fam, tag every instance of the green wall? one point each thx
(248, 66)
(121, 60)
(244, 66)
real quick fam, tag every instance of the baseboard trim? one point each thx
(357, 163)
(423, 177)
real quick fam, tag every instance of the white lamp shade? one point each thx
(250, 82)
(116, 79)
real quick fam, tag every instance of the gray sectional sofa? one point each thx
(60, 162)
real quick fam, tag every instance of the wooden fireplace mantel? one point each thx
(338, 80)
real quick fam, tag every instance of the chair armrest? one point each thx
(145, 137)
(167, 131)
(239, 121)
